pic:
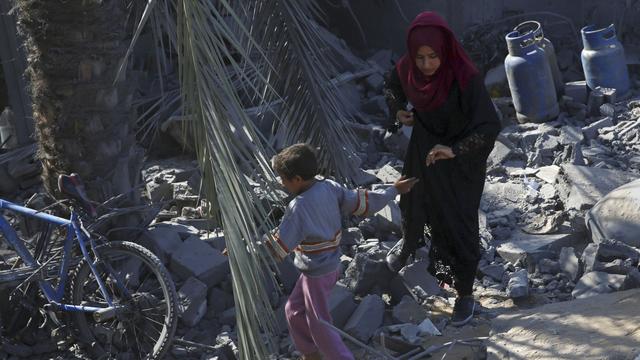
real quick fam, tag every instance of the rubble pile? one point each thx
(546, 187)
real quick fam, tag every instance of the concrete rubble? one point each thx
(549, 187)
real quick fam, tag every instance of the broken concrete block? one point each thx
(366, 319)
(388, 174)
(192, 299)
(577, 90)
(617, 215)
(571, 135)
(341, 305)
(596, 98)
(591, 131)
(549, 173)
(184, 231)
(547, 266)
(364, 273)
(215, 240)
(389, 218)
(163, 241)
(609, 94)
(218, 301)
(159, 191)
(228, 317)
(631, 280)
(609, 250)
(529, 248)
(494, 271)
(589, 185)
(416, 275)
(375, 82)
(408, 311)
(499, 154)
(195, 258)
(617, 266)
(589, 258)
(569, 263)
(518, 285)
(597, 282)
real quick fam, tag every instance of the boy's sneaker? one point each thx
(463, 310)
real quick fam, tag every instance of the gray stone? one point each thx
(159, 191)
(577, 157)
(577, 90)
(364, 273)
(589, 258)
(366, 319)
(609, 94)
(631, 280)
(591, 131)
(569, 263)
(588, 185)
(228, 317)
(518, 285)
(548, 192)
(596, 98)
(548, 173)
(416, 275)
(163, 241)
(547, 143)
(496, 195)
(571, 135)
(408, 311)
(609, 250)
(195, 258)
(388, 174)
(617, 215)
(529, 248)
(494, 271)
(341, 305)
(375, 82)
(389, 218)
(218, 301)
(376, 106)
(617, 266)
(597, 282)
(192, 298)
(185, 231)
(548, 266)
(500, 153)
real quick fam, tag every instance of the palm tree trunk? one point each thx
(82, 120)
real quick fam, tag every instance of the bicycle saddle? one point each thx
(72, 186)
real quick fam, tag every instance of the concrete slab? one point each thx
(617, 215)
(196, 258)
(589, 185)
(192, 298)
(341, 305)
(601, 327)
(366, 319)
(530, 248)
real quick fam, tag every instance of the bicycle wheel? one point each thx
(146, 323)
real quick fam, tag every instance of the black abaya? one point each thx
(448, 195)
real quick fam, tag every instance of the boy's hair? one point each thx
(298, 159)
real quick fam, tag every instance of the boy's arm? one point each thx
(287, 236)
(362, 202)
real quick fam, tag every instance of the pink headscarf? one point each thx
(429, 92)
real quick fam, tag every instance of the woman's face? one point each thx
(427, 60)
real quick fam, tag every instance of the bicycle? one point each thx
(118, 297)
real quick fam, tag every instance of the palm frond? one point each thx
(301, 74)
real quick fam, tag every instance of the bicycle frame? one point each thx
(74, 231)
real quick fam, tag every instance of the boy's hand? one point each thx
(404, 185)
(439, 152)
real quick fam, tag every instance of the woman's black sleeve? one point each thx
(393, 94)
(484, 125)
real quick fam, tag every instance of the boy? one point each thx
(311, 228)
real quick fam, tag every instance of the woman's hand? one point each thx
(439, 152)
(405, 117)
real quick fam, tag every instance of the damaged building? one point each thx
(559, 218)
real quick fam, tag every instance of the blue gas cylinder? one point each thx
(603, 59)
(530, 79)
(549, 51)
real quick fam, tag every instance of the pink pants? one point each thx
(308, 302)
